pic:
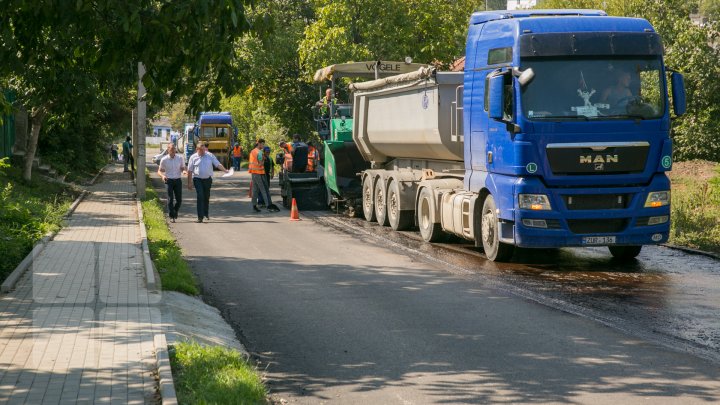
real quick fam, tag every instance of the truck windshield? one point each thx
(593, 88)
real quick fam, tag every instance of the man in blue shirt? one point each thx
(199, 172)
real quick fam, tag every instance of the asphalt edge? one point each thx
(12, 279)
(166, 384)
(692, 251)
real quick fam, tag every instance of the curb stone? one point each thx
(149, 266)
(692, 251)
(162, 358)
(167, 386)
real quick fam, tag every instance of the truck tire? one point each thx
(368, 204)
(380, 203)
(400, 220)
(625, 252)
(494, 249)
(430, 231)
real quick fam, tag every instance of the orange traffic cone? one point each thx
(294, 213)
(250, 191)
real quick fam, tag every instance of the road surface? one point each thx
(337, 311)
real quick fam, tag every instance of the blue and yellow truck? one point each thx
(557, 133)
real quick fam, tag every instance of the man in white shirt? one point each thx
(199, 173)
(171, 169)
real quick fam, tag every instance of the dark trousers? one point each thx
(236, 163)
(202, 188)
(174, 196)
(261, 200)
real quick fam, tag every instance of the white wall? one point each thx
(520, 4)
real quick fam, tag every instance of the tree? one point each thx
(429, 31)
(54, 54)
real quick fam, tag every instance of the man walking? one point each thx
(237, 156)
(171, 169)
(127, 154)
(256, 167)
(199, 173)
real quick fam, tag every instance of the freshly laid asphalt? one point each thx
(333, 318)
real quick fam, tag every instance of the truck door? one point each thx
(493, 51)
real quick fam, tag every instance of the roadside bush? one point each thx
(696, 216)
(27, 212)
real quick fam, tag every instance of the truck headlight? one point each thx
(657, 199)
(535, 202)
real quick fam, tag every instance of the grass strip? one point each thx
(175, 274)
(696, 213)
(214, 375)
(28, 211)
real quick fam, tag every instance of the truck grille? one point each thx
(596, 201)
(600, 225)
(597, 158)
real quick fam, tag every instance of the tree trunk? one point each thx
(37, 116)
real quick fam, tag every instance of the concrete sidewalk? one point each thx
(79, 326)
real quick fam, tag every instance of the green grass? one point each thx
(175, 274)
(696, 213)
(214, 375)
(27, 212)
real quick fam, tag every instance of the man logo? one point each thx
(599, 166)
(590, 159)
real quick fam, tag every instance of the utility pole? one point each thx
(141, 134)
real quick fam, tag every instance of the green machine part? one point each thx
(342, 158)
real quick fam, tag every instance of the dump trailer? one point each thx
(341, 161)
(216, 129)
(556, 134)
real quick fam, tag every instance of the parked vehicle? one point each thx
(526, 147)
(216, 128)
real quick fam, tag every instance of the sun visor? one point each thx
(591, 44)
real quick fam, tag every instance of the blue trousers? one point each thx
(202, 189)
(174, 196)
(236, 163)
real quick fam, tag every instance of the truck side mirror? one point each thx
(496, 94)
(678, 93)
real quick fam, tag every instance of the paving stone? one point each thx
(78, 326)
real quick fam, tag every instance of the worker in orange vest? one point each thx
(288, 158)
(256, 167)
(313, 158)
(236, 156)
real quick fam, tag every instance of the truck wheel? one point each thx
(380, 203)
(430, 231)
(625, 252)
(494, 249)
(400, 220)
(368, 199)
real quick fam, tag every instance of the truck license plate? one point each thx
(598, 240)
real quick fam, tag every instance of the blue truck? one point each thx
(556, 134)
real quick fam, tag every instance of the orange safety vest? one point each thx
(312, 157)
(288, 161)
(255, 166)
(237, 151)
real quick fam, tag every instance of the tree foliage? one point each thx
(64, 59)
(429, 31)
(690, 49)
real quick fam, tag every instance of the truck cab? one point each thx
(566, 128)
(217, 130)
